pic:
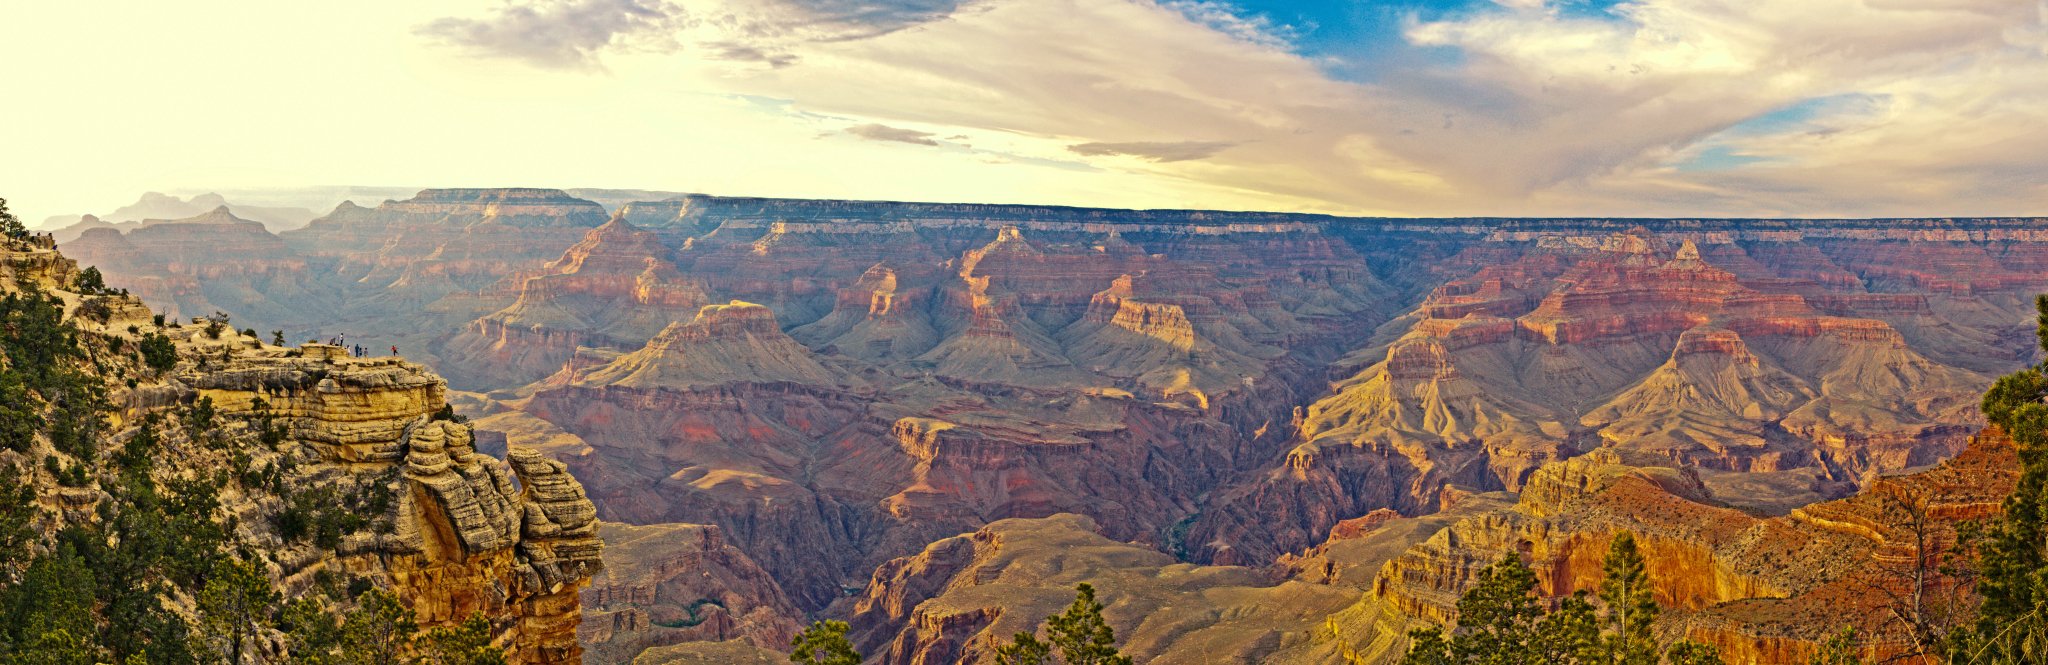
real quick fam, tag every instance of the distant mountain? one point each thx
(612, 199)
(160, 206)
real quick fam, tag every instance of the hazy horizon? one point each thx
(322, 200)
(1638, 108)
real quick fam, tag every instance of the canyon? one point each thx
(1267, 437)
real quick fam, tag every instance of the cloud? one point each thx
(562, 33)
(576, 33)
(879, 132)
(1155, 152)
(1510, 107)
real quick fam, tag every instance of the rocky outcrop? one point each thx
(471, 534)
(453, 532)
(962, 596)
(738, 342)
(666, 584)
(36, 261)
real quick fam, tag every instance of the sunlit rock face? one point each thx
(515, 539)
(461, 534)
(1226, 388)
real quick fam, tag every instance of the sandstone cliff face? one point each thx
(666, 584)
(469, 534)
(462, 533)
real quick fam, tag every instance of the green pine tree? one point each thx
(2012, 623)
(1427, 646)
(10, 225)
(1839, 650)
(90, 281)
(379, 631)
(1693, 653)
(1498, 619)
(1631, 606)
(1081, 634)
(1024, 649)
(824, 643)
(466, 643)
(235, 603)
(1568, 634)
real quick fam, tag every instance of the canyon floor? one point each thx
(1266, 438)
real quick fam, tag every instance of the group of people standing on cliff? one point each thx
(354, 350)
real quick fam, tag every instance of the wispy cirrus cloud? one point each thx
(1153, 151)
(881, 132)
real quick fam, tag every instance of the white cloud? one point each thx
(563, 33)
(1690, 107)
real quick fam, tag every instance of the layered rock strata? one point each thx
(665, 584)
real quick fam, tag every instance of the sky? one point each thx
(1767, 108)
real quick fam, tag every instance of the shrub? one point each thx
(158, 352)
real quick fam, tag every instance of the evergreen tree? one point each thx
(466, 643)
(1693, 653)
(1497, 622)
(10, 225)
(311, 632)
(1497, 618)
(55, 646)
(1501, 621)
(379, 631)
(48, 614)
(1024, 649)
(235, 603)
(2012, 624)
(1571, 633)
(1081, 634)
(824, 643)
(1839, 650)
(1631, 607)
(20, 413)
(1427, 646)
(18, 511)
(90, 281)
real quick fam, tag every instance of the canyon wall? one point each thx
(835, 384)
(452, 532)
